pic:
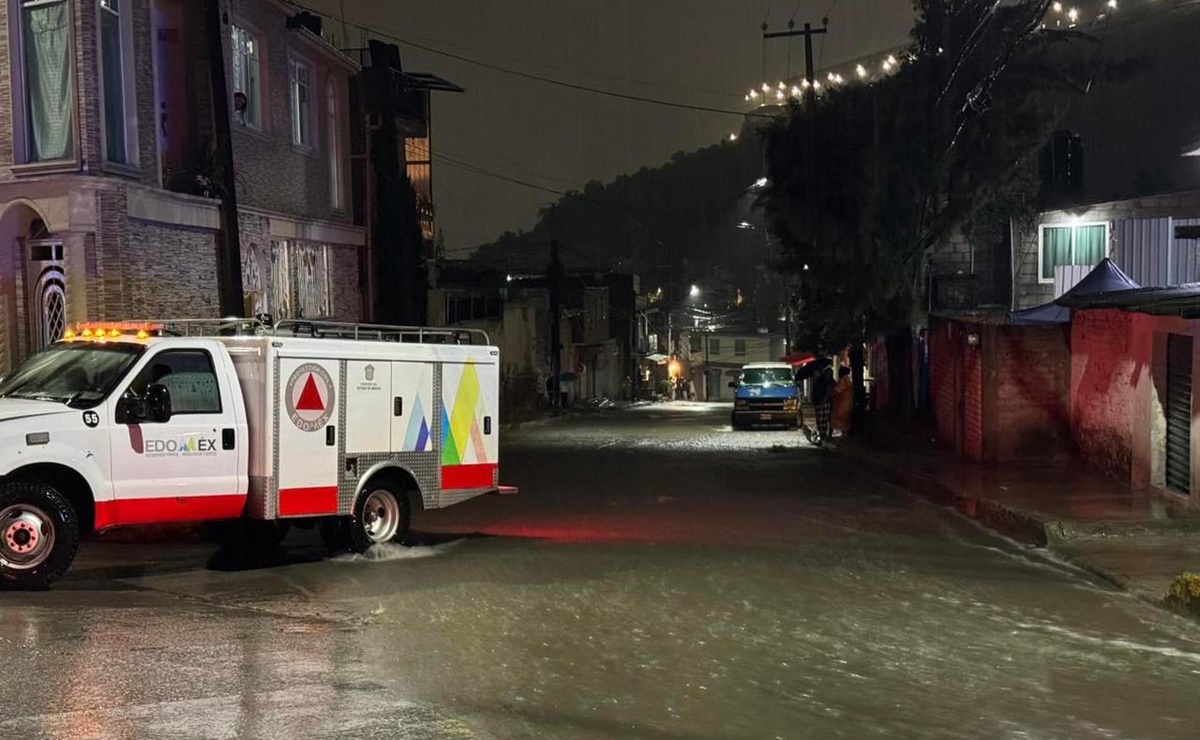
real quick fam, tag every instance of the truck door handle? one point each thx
(487, 425)
(398, 406)
(228, 439)
(330, 436)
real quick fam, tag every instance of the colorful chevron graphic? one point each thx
(416, 437)
(462, 435)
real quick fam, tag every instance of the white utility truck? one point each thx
(348, 427)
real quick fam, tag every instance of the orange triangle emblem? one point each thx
(310, 397)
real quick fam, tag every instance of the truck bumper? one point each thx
(751, 417)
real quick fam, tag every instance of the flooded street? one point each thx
(657, 576)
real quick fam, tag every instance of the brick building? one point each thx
(108, 191)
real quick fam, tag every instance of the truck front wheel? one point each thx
(39, 534)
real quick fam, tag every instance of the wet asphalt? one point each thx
(657, 576)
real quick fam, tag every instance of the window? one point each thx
(1084, 244)
(335, 147)
(247, 95)
(301, 102)
(739, 347)
(714, 346)
(48, 98)
(697, 343)
(112, 71)
(188, 376)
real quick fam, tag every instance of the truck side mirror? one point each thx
(131, 409)
(158, 403)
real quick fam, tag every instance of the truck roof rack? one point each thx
(314, 328)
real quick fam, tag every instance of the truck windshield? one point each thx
(79, 375)
(767, 376)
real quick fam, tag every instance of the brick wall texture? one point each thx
(272, 173)
(1005, 398)
(1102, 401)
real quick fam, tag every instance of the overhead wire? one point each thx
(393, 36)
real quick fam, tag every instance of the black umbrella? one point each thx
(811, 368)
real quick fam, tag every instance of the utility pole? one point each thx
(229, 250)
(810, 96)
(554, 275)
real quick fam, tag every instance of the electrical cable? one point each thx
(386, 34)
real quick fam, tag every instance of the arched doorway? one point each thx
(33, 285)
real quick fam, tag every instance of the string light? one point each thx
(1058, 15)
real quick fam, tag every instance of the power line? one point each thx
(391, 36)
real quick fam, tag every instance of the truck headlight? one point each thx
(740, 403)
(790, 404)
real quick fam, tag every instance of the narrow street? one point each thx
(658, 576)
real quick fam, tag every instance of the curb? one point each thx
(1009, 521)
(1021, 525)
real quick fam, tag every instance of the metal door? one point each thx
(1179, 413)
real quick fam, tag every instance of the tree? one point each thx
(941, 145)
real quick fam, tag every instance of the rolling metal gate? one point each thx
(1179, 412)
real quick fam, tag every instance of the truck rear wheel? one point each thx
(381, 515)
(39, 534)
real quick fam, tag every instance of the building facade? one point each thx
(109, 188)
(1155, 240)
(713, 359)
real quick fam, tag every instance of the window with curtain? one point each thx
(247, 97)
(113, 71)
(1072, 245)
(49, 105)
(335, 147)
(301, 93)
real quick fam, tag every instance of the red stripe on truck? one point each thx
(463, 477)
(167, 510)
(308, 501)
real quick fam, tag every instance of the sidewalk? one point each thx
(1131, 539)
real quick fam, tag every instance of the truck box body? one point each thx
(322, 413)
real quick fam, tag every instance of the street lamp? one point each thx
(695, 292)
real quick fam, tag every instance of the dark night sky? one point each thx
(700, 52)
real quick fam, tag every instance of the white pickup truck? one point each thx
(347, 427)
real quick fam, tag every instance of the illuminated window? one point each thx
(1083, 244)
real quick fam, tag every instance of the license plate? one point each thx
(764, 417)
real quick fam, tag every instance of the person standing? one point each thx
(822, 397)
(843, 402)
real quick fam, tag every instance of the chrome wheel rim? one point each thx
(26, 536)
(381, 516)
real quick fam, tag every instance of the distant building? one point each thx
(713, 359)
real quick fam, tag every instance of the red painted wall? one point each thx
(1004, 398)
(1030, 382)
(1102, 379)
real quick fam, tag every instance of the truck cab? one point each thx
(765, 394)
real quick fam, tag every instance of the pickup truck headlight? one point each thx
(791, 404)
(740, 403)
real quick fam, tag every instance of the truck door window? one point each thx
(189, 377)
